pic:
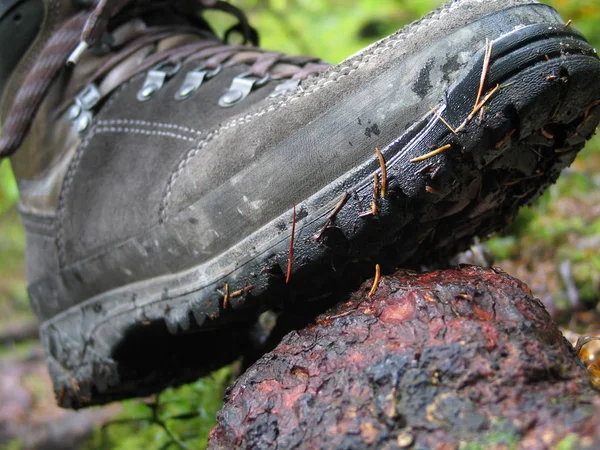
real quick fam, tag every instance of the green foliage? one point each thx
(14, 304)
(504, 247)
(497, 439)
(570, 442)
(334, 29)
(178, 418)
(583, 13)
(15, 444)
(8, 187)
(330, 29)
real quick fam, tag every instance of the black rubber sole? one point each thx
(539, 104)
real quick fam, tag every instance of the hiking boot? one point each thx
(174, 186)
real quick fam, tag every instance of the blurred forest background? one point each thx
(554, 247)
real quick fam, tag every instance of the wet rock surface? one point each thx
(442, 360)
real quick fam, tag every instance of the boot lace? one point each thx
(88, 31)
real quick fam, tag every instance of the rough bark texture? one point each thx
(451, 359)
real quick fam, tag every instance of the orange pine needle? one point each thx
(374, 209)
(444, 121)
(291, 251)
(484, 72)
(376, 186)
(546, 134)
(437, 151)
(506, 138)
(432, 190)
(383, 167)
(61, 395)
(226, 296)
(338, 207)
(375, 281)
(483, 102)
(240, 292)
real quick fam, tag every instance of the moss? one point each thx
(14, 444)
(496, 439)
(188, 413)
(18, 351)
(504, 247)
(570, 442)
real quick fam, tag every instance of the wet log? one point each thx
(13, 334)
(29, 417)
(453, 359)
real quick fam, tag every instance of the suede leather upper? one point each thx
(158, 186)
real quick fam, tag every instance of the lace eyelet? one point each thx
(194, 79)
(240, 88)
(80, 113)
(156, 78)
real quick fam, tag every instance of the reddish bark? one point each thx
(435, 361)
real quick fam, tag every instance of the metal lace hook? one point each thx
(194, 79)
(156, 78)
(240, 88)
